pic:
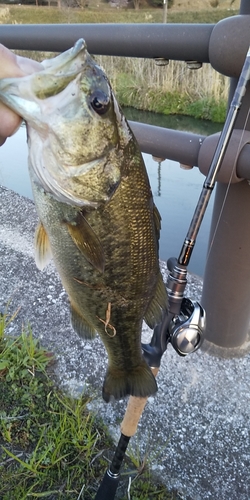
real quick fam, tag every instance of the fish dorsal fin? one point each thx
(86, 241)
(81, 325)
(43, 252)
(158, 305)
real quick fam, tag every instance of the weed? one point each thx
(50, 444)
(100, 12)
(47, 439)
(208, 109)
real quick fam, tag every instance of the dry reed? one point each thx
(175, 77)
(169, 89)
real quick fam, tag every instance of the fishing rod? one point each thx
(184, 323)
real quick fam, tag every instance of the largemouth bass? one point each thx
(97, 216)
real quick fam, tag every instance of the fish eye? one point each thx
(100, 102)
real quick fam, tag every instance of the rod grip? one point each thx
(133, 413)
(108, 487)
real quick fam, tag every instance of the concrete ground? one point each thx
(196, 429)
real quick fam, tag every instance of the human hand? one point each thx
(12, 65)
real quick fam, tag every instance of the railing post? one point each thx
(226, 288)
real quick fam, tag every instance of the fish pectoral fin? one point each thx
(158, 305)
(43, 253)
(86, 241)
(81, 325)
(138, 381)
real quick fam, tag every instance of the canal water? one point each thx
(175, 191)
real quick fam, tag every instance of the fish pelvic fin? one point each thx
(43, 253)
(86, 241)
(138, 381)
(81, 325)
(158, 305)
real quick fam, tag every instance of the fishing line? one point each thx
(227, 190)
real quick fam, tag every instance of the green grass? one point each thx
(51, 446)
(129, 93)
(101, 12)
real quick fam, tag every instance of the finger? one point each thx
(8, 63)
(9, 122)
(28, 66)
(14, 66)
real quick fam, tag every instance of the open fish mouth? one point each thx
(69, 56)
(22, 94)
(72, 129)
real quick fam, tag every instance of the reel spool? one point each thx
(186, 330)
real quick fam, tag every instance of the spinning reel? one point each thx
(184, 324)
(187, 326)
(186, 331)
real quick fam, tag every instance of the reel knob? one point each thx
(187, 329)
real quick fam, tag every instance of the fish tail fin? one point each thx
(138, 381)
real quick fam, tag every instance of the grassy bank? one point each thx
(50, 445)
(172, 89)
(101, 12)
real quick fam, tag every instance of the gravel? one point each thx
(195, 430)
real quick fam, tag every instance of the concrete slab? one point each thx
(196, 429)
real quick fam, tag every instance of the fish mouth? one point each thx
(66, 57)
(26, 96)
(22, 94)
(66, 106)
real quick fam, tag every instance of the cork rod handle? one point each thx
(133, 412)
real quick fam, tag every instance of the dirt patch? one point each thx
(195, 5)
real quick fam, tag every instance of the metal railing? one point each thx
(226, 289)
